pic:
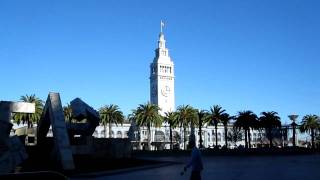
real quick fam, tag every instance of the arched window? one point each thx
(213, 136)
(119, 134)
(102, 134)
(95, 134)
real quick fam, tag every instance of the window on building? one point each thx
(213, 136)
(95, 134)
(119, 134)
(102, 134)
(187, 133)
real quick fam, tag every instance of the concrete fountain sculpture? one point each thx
(69, 139)
(12, 151)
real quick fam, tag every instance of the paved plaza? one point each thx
(299, 167)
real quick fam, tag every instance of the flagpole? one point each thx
(161, 26)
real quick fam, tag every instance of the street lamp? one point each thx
(293, 118)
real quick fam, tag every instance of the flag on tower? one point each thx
(161, 25)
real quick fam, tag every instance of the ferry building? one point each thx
(162, 93)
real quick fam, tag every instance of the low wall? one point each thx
(97, 147)
(112, 148)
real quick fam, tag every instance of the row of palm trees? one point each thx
(187, 116)
(147, 115)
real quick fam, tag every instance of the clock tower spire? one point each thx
(162, 77)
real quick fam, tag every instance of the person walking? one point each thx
(195, 163)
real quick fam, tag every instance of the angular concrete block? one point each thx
(53, 115)
(23, 107)
(81, 109)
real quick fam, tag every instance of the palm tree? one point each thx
(111, 114)
(172, 120)
(148, 115)
(310, 123)
(235, 135)
(225, 119)
(269, 121)
(67, 111)
(134, 130)
(186, 114)
(30, 118)
(246, 120)
(203, 117)
(215, 114)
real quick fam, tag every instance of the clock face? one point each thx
(165, 91)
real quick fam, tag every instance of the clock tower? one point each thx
(162, 77)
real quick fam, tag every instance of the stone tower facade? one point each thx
(162, 77)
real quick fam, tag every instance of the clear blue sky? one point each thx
(241, 54)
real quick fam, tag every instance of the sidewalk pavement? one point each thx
(229, 168)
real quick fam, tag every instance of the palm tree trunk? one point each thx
(226, 135)
(29, 121)
(105, 130)
(192, 137)
(139, 137)
(249, 137)
(200, 134)
(216, 134)
(149, 137)
(171, 145)
(246, 138)
(270, 137)
(312, 139)
(184, 137)
(110, 134)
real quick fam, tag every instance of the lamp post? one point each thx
(293, 118)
